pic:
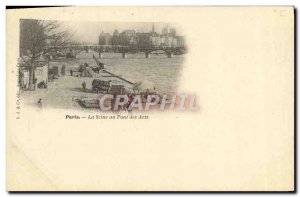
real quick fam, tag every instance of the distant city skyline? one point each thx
(90, 31)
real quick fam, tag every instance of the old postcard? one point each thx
(150, 99)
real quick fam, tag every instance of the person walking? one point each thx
(83, 86)
(39, 103)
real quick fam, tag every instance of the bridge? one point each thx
(124, 50)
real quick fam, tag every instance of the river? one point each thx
(162, 71)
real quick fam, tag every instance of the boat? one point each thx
(88, 102)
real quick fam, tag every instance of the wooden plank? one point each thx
(119, 77)
(98, 62)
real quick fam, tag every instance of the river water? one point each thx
(162, 71)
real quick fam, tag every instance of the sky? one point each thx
(90, 31)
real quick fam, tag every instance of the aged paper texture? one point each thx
(150, 99)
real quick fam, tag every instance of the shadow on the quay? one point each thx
(82, 90)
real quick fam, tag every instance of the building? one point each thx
(173, 32)
(144, 40)
(115, 38)
(165, 31)
(153, 30)
(130, 37)
(174, 42)
(180, 41)
(105, 39)
(40, 74)
(133, 40)
(167, 41)
(125, 37)
(156, 41)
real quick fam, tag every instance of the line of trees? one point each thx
(127, 38)
(36, 36)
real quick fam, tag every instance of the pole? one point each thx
(119, 77)
(99, 63)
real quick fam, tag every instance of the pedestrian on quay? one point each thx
(83, 86)
(71, 72)
(39, 103)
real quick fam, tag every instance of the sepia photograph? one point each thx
(73, 64)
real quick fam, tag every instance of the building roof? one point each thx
(22, 63)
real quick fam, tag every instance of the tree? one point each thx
(35, 37)
(144, 40)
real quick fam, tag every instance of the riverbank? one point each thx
(60, 93)
(162, 71)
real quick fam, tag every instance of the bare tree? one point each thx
(35, 38)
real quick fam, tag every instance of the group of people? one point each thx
(42, 84)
